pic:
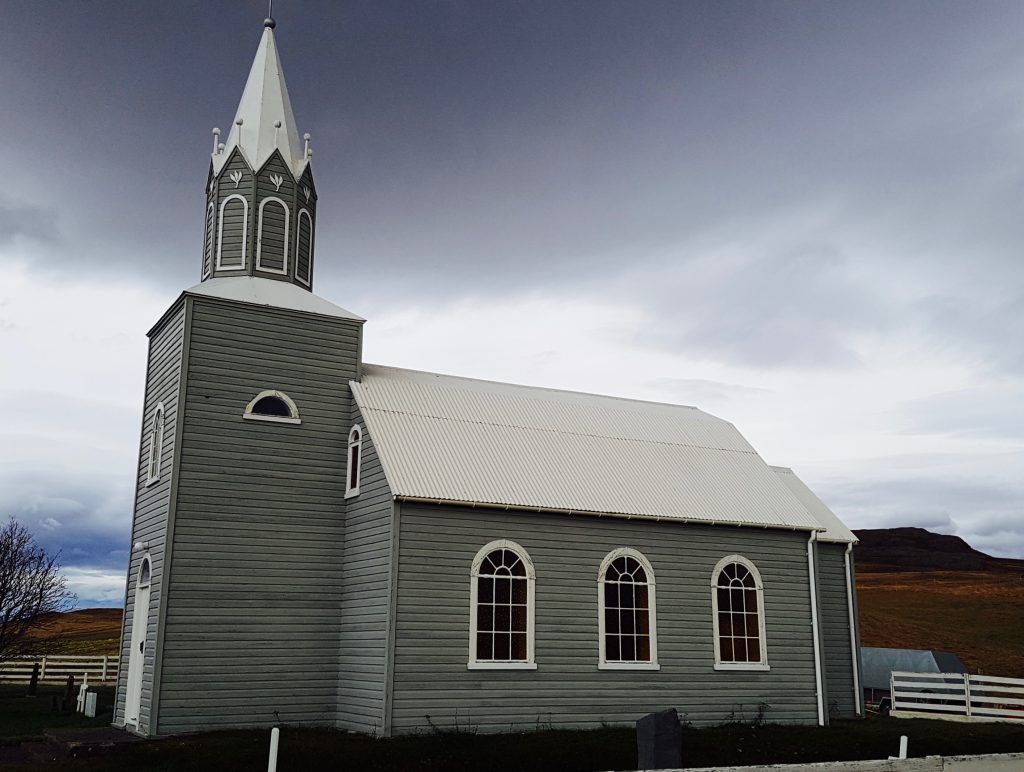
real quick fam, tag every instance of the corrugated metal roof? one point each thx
(444, 438)
(835, 530)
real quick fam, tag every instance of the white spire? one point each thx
(264, 103)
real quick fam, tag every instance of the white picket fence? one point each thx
(57, 669)
(957, 696)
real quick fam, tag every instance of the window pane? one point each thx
(519, 619)
(484, 649)
(485, 590)
(751, 600)
(502, 618)
(485, 617)
(626, 622)
(611, 595)
(643, 622)
(502, 590)
(619, 567)
(519, 591)
(612, 650)
(743, 573)
(517, 568)
(639, 575)
(729, 572)
(353, 470)
(640, 594)
(626, 597)
(643, 649)
(611, 620)
(502, 646)
(754, 650)
(736, 600)
(723, 600)
(740, 647)
(519, 646)
(724, 623)
(628, 648)
(271, 406)
(725, 649)
(491, 563)
(752, 627)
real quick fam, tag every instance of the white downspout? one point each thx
(814, 627)
(854, 653)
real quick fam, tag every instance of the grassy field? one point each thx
(547, 751)
(91, 631)
(25, 718)
(977, 615)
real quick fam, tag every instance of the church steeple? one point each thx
(261, 201)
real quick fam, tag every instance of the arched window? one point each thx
(234, 218)
(627, 622)
(272, 236)
(273, 406)
(145, 572)
(354, 467)
(208, 241)
(156, 444)
(304, 247)
(501, 608)
(737, 598)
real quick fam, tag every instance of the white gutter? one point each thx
(814, 627)
(854, 653)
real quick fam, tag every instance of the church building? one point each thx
(321, 541)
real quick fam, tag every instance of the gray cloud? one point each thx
(993, 410)
(24, 221)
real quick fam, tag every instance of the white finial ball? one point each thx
(239, 122)
(216, 132)
(311, 152)
(306, 136)
(220, 147)
(277, 124)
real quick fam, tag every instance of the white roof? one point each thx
(264, 102)
(268, 292)
(834, 528)
(444, 438)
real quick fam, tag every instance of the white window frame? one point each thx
(298, 233)
(211, 217)
(602, 662)
(719, 567)
(355, 440)
(529, 663)
(259, 236)
(220, 232)
(293, 409)
(157, 431)
(146, 561)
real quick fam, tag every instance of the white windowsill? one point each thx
(628, 666)
(741, 666)
(272, 418)
(152, 481)
(351, 494)
(501, 666)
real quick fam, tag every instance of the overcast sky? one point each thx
(807, 218)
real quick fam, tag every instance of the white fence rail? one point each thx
(57, 669)
(957, 696)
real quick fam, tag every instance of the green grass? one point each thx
(25, 718)
(303, 750)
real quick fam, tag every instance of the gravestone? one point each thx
(33, 684)
(659, 740)
(68, 700)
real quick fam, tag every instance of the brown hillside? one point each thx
(919, 590)
(87, 631)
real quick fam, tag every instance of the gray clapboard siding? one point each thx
(365, 599)
(252, 623)
(436, 547)
(835, 624)
(152, 501)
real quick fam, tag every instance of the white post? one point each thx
(90, 705)
(275, 739)
(903, 746)
(42, 669)
(967, 693)
(104, 676)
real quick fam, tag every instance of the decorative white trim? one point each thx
(259, 236)
(759, 588)
(211, 223)
(298, 234)
(815, 635)
(157, 430)
(293, 409)
(220, 232)
(141, 583)
(652, 612)
(858, 693)
(355, 441)
(531, 577)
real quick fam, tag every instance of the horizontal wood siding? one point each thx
(149, 522)
(835, 625)
(437, 546)
(252, 626)
(365, 602)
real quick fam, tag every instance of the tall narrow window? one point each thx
(208, 241)
(355, 461)
(304, 247)
(156, 444)
(738, 607)
(272, 236)
(627, 612)
(232, 231)
(501, 608)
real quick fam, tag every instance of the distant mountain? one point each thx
(915, 549)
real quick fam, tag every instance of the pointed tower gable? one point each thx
(260, 217)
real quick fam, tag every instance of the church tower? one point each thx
(238, 531)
